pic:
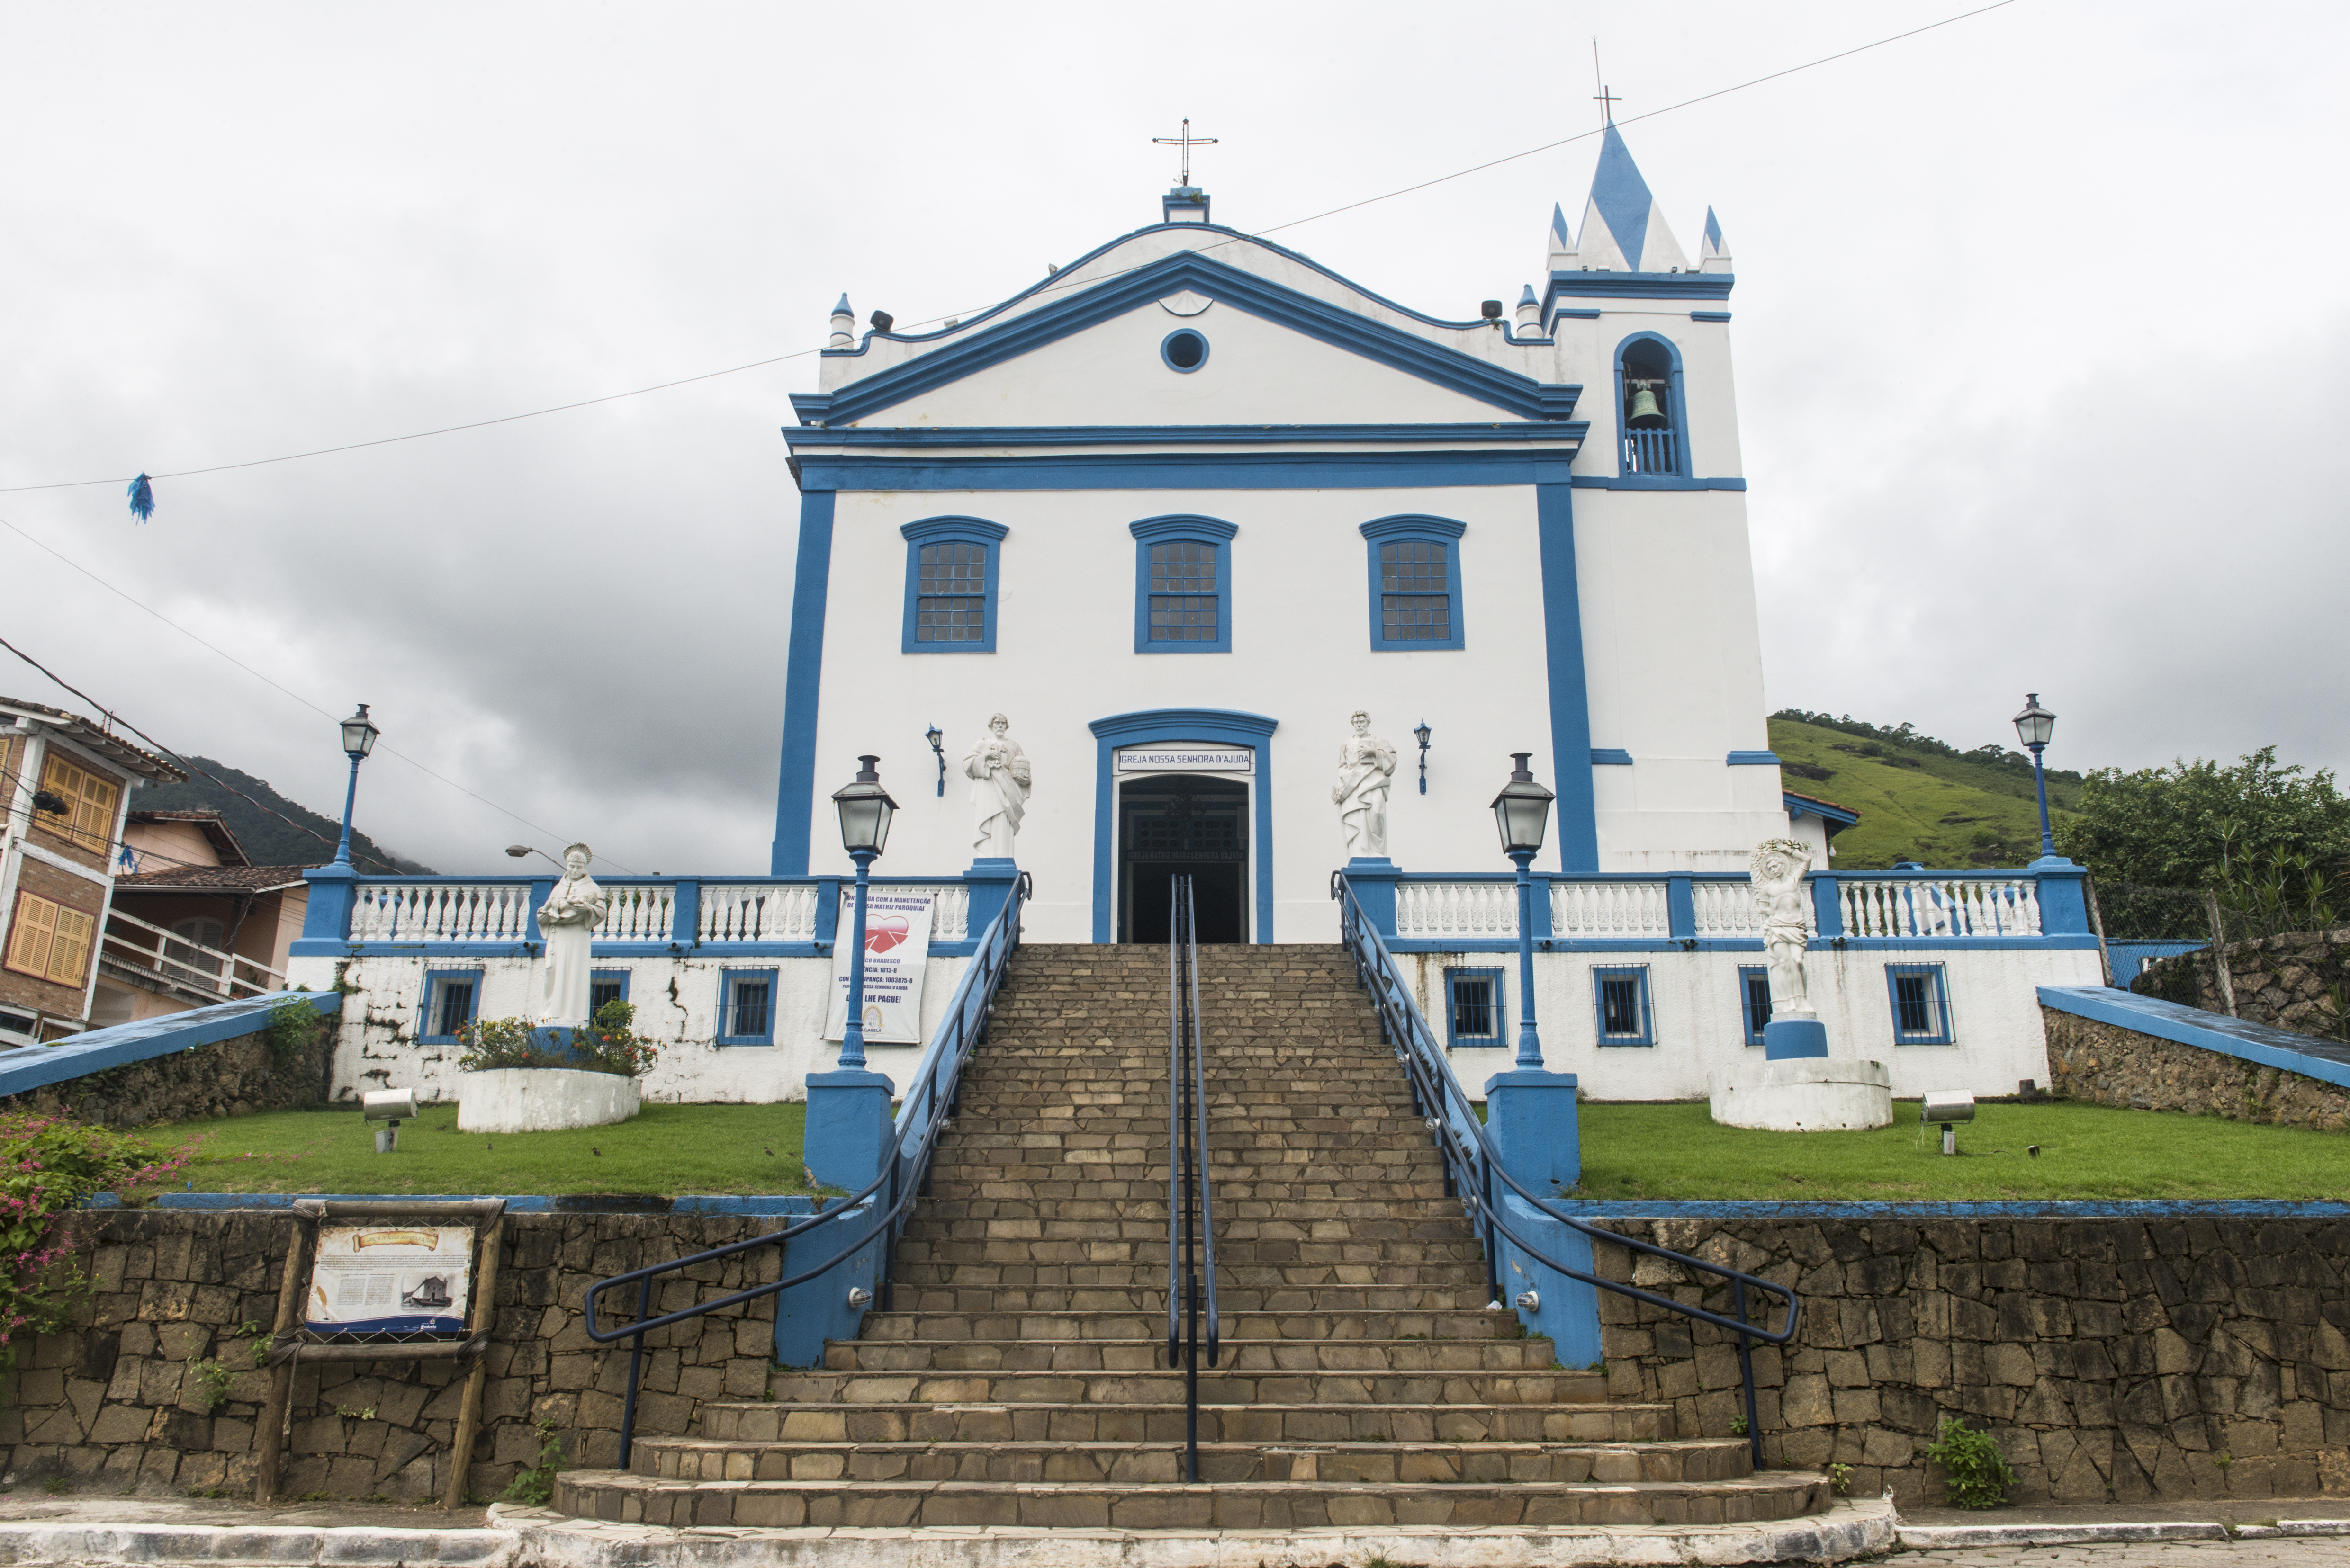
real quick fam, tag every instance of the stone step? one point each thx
(1078, 1327)
(1384, 1357)
(1244, 1505)
(768, 1421)
(1070, 1183)
(1234, 1256)
(1159, 1464)
(1223, 1386)
(1230, 1277)
(951, 1216)
(1022, 1298)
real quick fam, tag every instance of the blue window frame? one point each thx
(605, 985)
(746, 1007)
(1754, 998)
(1415, 582)
(1185, 350)
(1659, 447)
(953, 566)
(1182, 585)
(1922, 1004)
(452, 999)
(1619, 1001)
(1474, 1011)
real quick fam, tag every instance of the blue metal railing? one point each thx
(1191, 1212)
(904, 1175)
(1472, 1166)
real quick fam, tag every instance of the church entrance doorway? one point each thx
(1183, 825)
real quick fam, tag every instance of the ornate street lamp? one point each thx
(2033, 727)
(1421, 734)
(935, 735)
(865, 810)
(1521, 812)
(359, 740)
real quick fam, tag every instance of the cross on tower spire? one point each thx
(1603, 97)
(1186, 142)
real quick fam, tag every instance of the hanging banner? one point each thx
(896, 950)
(395, 1277)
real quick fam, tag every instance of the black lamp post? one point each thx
(359, 740)
(1421, 734)
(2033, 727)
(935, 735)
(1522, 811)
(865, 810)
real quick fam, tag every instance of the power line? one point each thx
(1048, 288)
(249, 670)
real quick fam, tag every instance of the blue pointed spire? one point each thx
(1527, 297)
(1622, 197)
(842, 308)
(1712, 232)
(1561, 238)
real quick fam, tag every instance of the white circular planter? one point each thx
(542, 1099)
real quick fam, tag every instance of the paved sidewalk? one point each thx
(2295, 1552)
(20, 1505)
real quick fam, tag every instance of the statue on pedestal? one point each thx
(1777, 871)
(1000, 782)
(1364, 765)
(567, 922)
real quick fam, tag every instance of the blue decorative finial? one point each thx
(142, 498)
(1712, 232)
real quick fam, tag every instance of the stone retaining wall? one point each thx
(115, 1403)
(2281, 982)
(2111, 1359)
(226, 1078)
(2110, 1065)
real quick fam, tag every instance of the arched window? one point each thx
(1415, 582)
(953, 565)
(1649, 409)
(1182, 585)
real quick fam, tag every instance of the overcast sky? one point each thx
(2041, 337)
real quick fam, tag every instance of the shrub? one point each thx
(294, 1027)
(609, 1044)
(1977, 1474)
(535, 1485)
(48, 1166)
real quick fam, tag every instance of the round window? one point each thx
(1184, 350)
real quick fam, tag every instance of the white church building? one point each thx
(1177, 513)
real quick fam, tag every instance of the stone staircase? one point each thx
(1020, 1379)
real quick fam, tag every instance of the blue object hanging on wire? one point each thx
(142, 498)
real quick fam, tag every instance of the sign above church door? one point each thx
(1186, 760)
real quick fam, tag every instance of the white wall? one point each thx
(676, 1001)
(1700, 1027)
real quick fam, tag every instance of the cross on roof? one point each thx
(1186, 142)
(1603, 97)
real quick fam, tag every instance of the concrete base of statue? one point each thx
(1804, 1094)
(542, 1099)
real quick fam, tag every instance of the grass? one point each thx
(2086, 1151)
(665, 1150)
(1941, 812)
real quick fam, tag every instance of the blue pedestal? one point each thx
(991, 879)
(847, 1126)
(1372, 878)
(1531, 1117)
(1785, 1039)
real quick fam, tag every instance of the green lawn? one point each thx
(665, 1150)
(2086, 1151)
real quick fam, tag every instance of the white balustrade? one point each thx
(756, 912)
(1597, 910)
(1463, 911)
(637, 914)
(442, 912)
(1940, 906)
(950, 912)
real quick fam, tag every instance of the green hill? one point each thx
(269, 840)
(1918, 798)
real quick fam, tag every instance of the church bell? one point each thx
(1644, 410)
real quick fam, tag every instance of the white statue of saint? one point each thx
(1365, 765)
(1777, 873)
(998, 771)
(568, 921)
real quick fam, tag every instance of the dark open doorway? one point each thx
(1186, 825)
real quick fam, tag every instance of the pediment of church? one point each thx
(1189, 340)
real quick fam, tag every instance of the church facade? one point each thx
(1197, 496)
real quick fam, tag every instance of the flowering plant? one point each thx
(609, 1044)
(48, 1164)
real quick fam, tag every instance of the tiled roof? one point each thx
(212, 880)
(1815, 800)
(215, 831)
(105, 742)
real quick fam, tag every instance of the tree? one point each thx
(2198, 824)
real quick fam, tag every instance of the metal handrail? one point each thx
(1468, 1152)
(922, 1115)
(1191, 1211)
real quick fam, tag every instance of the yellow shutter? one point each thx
(89, 817)
(32, 934)
(69, 952)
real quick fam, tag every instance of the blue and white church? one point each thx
(1198, 558)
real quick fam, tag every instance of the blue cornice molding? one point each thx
(1611, 757)
(1181, 724)
(1709, 315)
(1570, 433)
(1754, 759)
(1341, 328)
(1182, 525)
(953, 527)
(1637, 285)
(1413, 525)
(1343, 469)
(1652, 482)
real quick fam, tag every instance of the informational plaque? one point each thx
(896, 950)
(1186, 760)
(390, 1278)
